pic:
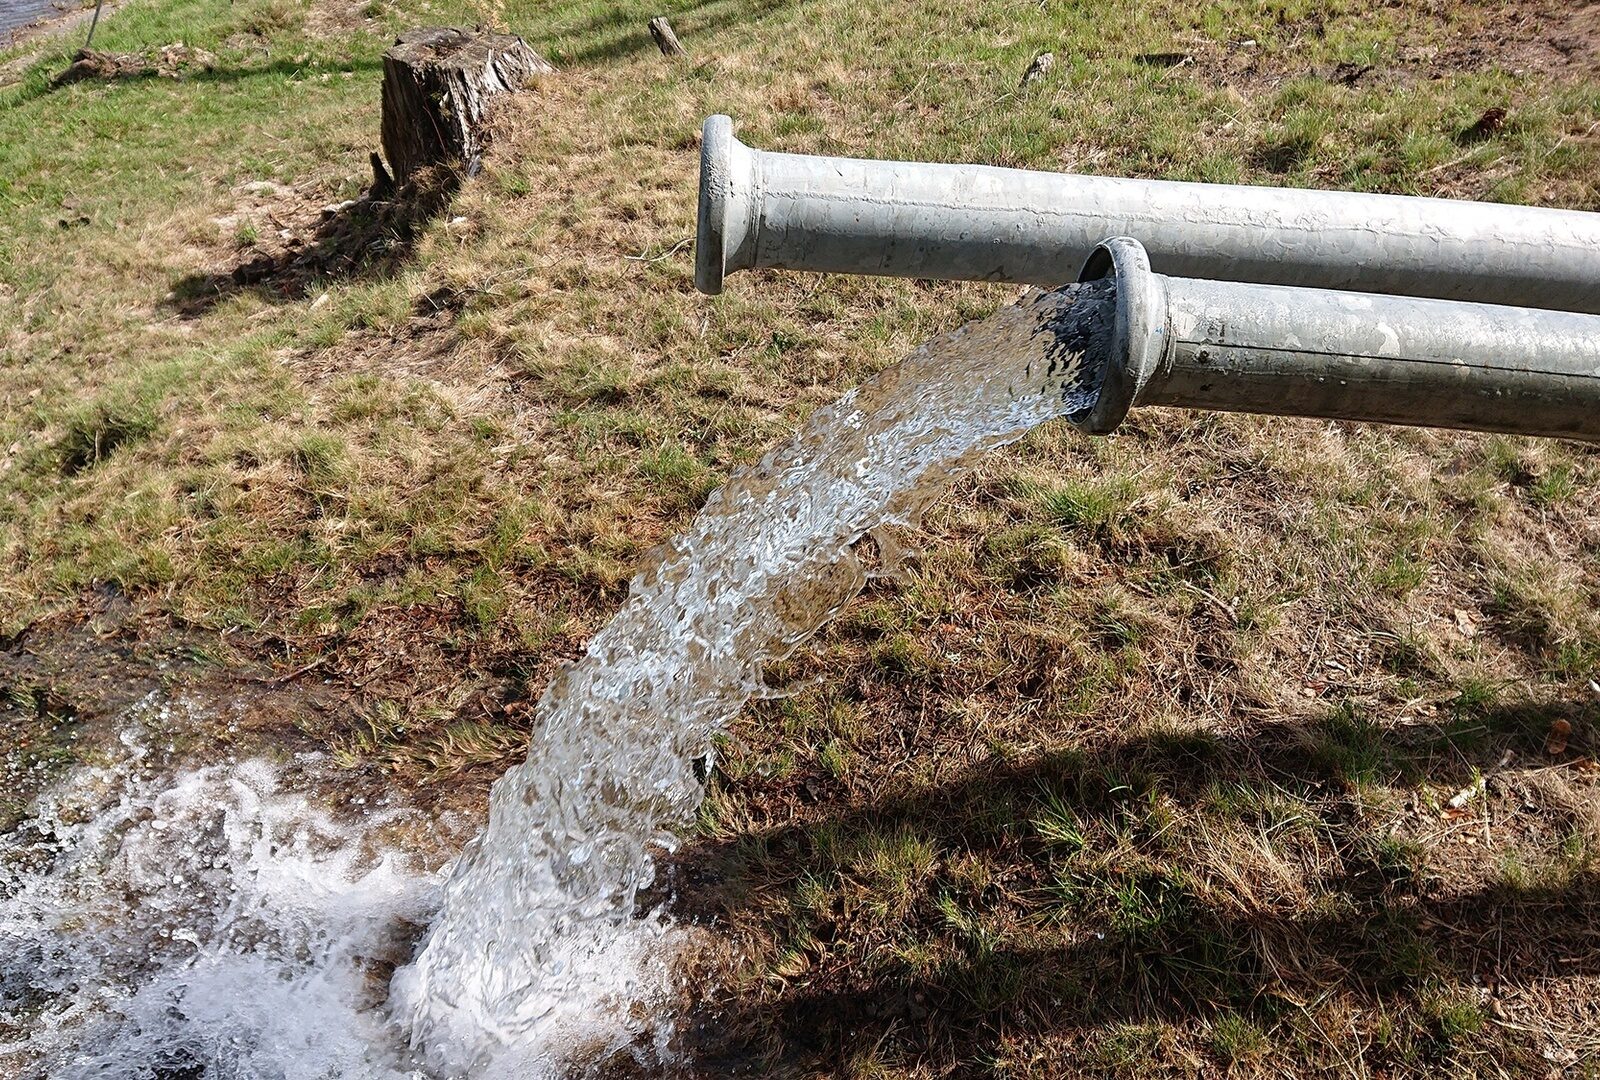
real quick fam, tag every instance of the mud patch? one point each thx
(61, 682)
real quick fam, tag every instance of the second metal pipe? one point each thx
(973, 222)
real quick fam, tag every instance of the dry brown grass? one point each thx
(1188, 764)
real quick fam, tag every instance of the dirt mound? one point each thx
(168, 62)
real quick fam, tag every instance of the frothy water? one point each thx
(539, 940)
(206, 923)
(219, 924)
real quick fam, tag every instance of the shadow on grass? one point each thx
(366, 237)
(622, 31)
(1144, 947)
(135, 68)
(1207, 968)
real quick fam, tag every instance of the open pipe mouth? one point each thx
(726, 179)
(1240, 347)
(1138, 337)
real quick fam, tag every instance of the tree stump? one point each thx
(438, 83)
(1037, 70)
(666, 40)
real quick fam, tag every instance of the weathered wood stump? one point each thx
(666, 40)
(1037, 70)
(438, 83)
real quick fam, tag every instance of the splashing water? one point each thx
(209, 924)
(538, 945)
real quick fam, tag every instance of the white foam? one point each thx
(212, 923)
(218, 923)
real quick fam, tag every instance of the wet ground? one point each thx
(16, 14)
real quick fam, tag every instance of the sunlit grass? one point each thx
(1142, 762)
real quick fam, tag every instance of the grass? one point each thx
(1143, 763)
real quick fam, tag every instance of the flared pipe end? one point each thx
(726, 183)
(1139, 335)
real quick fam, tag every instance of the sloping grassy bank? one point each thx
(1145, 762)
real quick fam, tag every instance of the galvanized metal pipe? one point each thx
(1353, 356)
(972, 222)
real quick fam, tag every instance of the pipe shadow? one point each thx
(1213, 966)
(1166, 953)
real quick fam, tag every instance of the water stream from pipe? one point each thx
(213, 924)
(538, 943)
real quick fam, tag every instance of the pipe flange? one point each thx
(1139, 335)
(727, 177)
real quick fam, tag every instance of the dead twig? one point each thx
(669, 253)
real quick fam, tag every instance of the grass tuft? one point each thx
(94, 433)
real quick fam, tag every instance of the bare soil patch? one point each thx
(1547, 36)
(67, 681)
(1557, 40)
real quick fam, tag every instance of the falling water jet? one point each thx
(537, 947)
